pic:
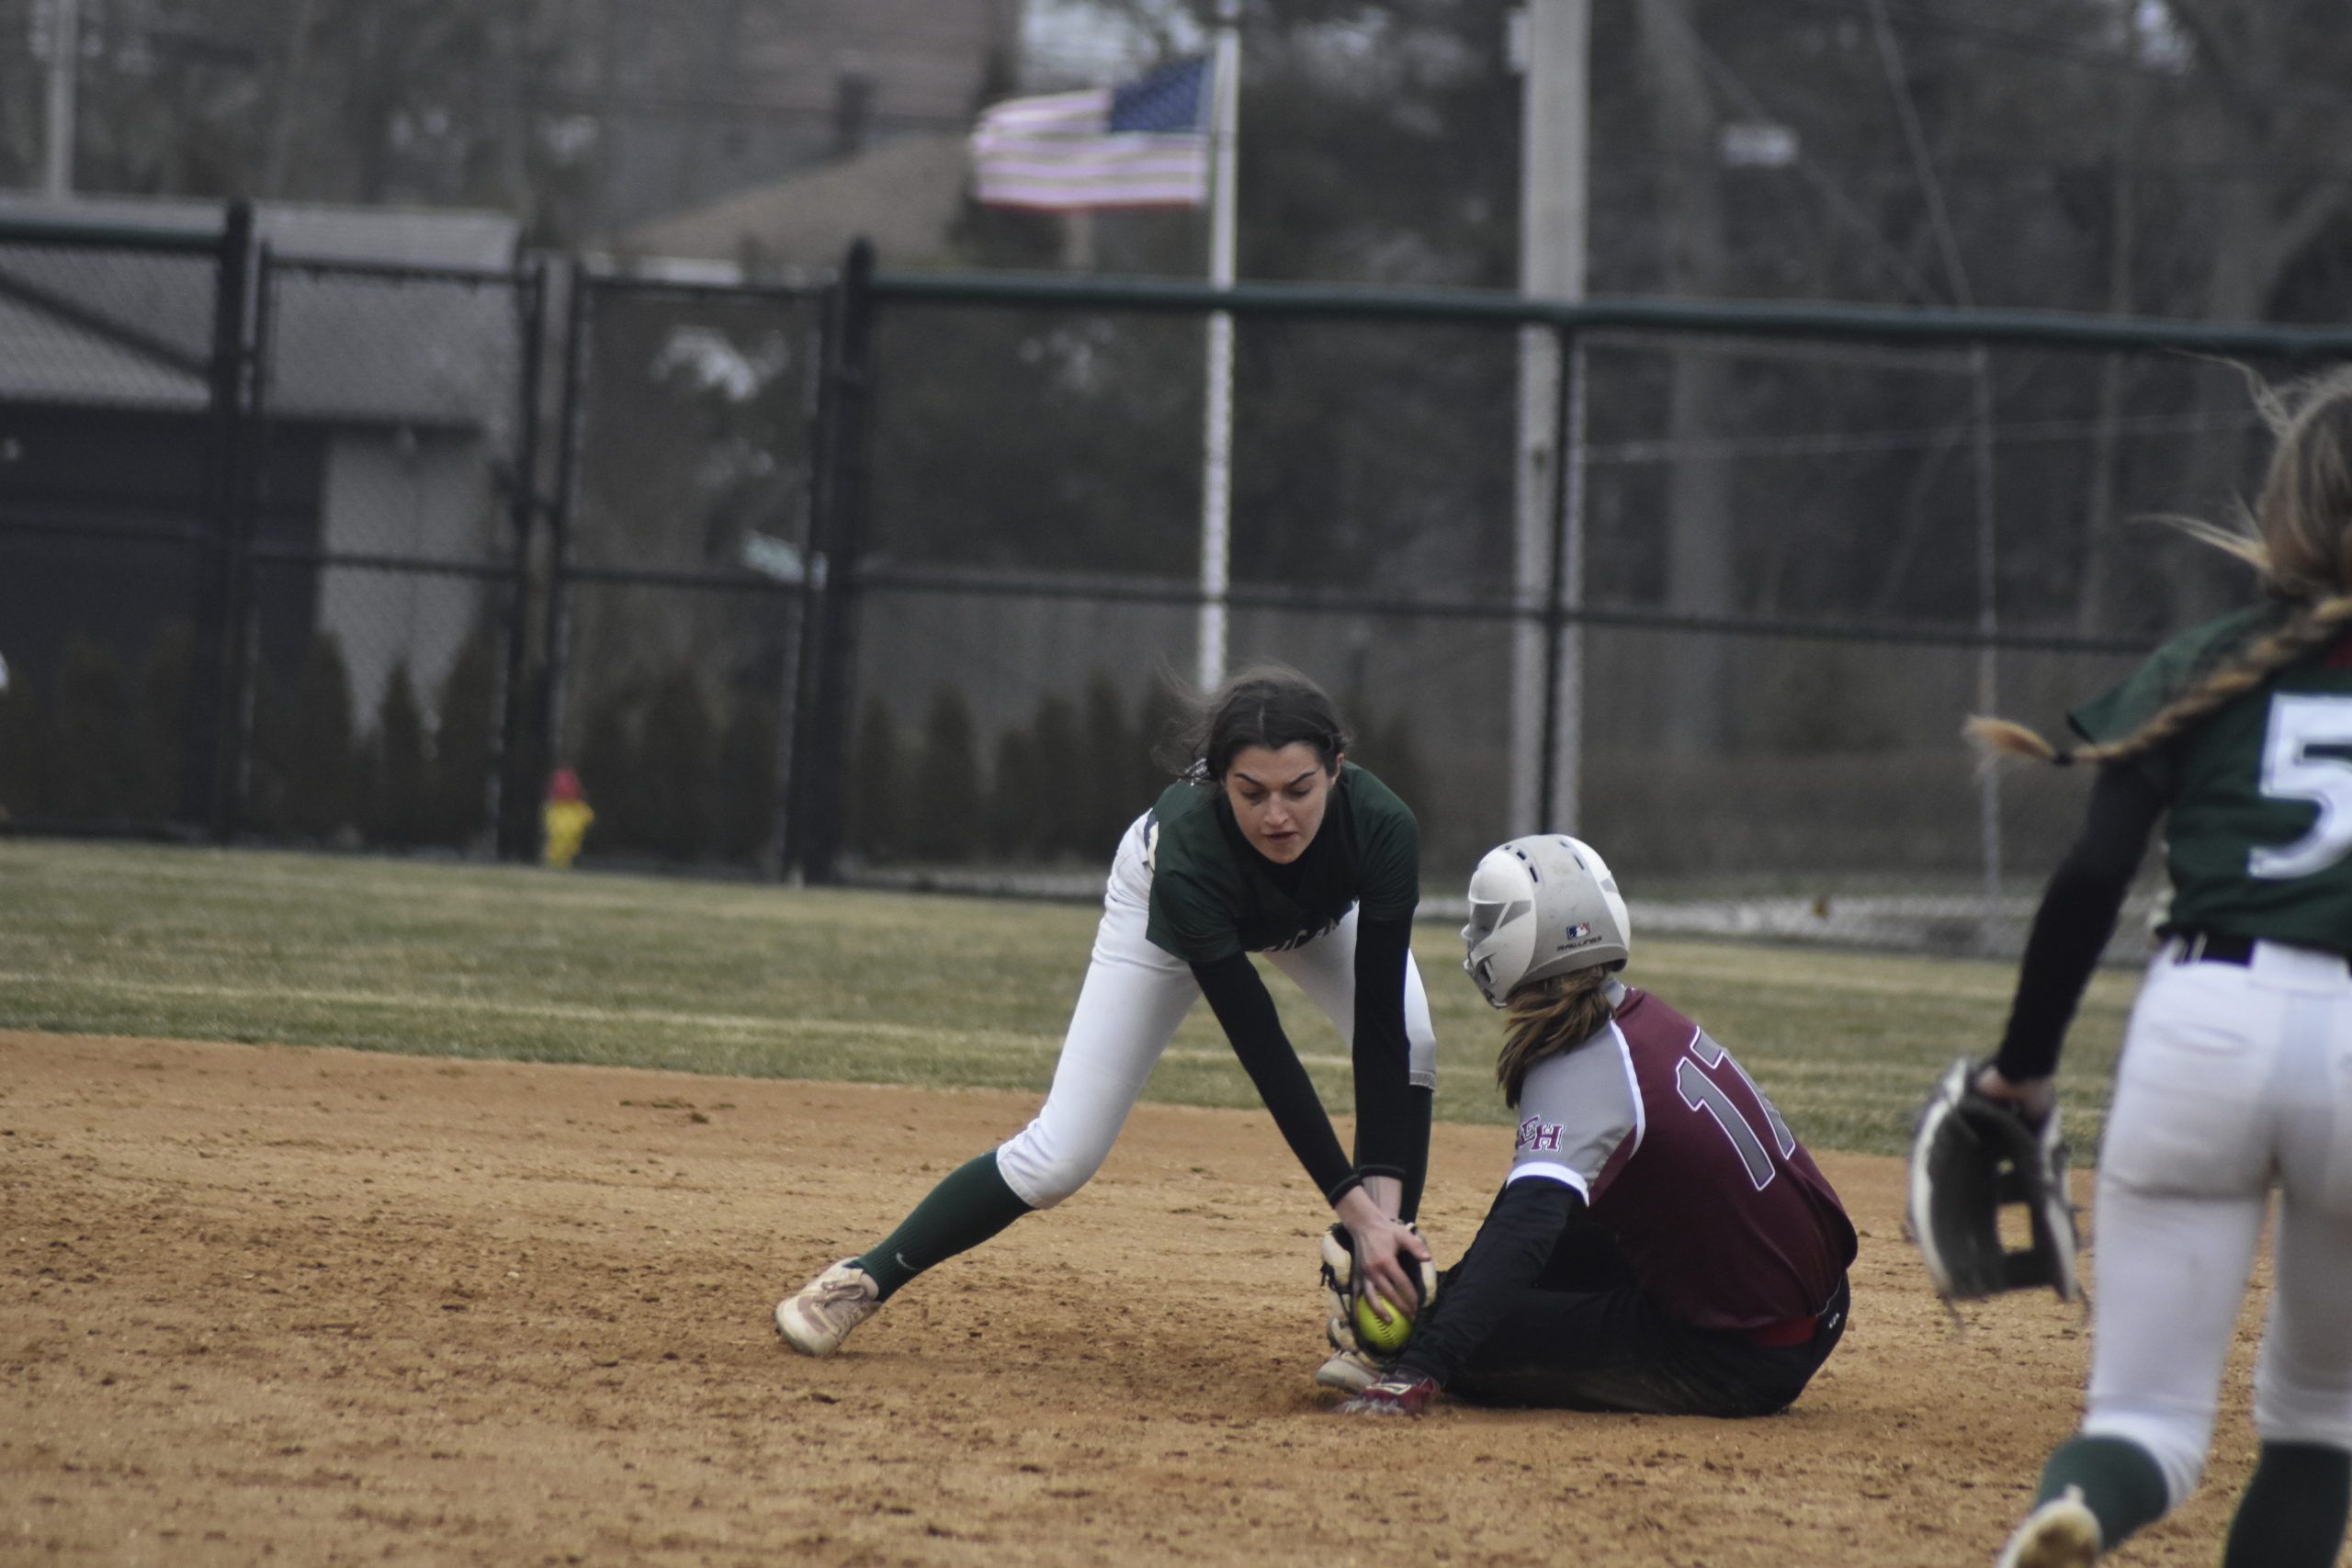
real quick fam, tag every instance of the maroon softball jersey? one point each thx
(1724, 1216)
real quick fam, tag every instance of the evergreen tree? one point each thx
(402, 772)
(1111, 801)
(877, 784)
(23, 741)
(93, 757)
(262, 808)
(465, 740)
(608, 772)
(1062, 800)
(1158, 715)
(1391, 754)
(943, 799)
(163, 726)
(679, 759)
(747, 762)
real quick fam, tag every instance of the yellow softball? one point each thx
(1381, 1339)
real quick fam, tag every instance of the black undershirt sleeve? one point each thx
(1503, 1262)
(2076, 916)
(1385, 1116)
(1239, 1000)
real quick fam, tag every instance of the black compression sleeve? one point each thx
(1239, 1000)
(1509, 1252)
(1385, 1119)
(2076, 916)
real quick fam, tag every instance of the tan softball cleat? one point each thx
(819, 1318)
(2062, 1533)
(1350, 1372)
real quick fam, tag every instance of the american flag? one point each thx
(1142, 143)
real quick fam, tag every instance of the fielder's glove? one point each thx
(1339, 1290)
(1970, 1156)
(1399, 1393)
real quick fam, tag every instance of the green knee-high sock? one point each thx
(2293, 1511)
(2120, 1480)
(1417, 1174)
(962, 1212)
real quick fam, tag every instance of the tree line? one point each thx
(1061, 787)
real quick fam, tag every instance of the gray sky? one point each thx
(1073, 42)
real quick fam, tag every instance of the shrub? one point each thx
(874, 798)
(399, 767)
(945, 798)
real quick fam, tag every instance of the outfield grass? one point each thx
(880, 988)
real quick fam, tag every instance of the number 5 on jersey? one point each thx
(2307, 755)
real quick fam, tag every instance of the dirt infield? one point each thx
(320, 1306)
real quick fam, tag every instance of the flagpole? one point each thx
(1216, 456)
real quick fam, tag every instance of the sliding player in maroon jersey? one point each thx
(1663, 1242)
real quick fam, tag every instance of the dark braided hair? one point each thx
(1269, 706)
(2298, 537)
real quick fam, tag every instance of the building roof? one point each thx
(904, 195)
(307, 231)
(87, 322)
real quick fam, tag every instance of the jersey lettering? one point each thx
(2307, 755)
(1701, 1092)
(1715, 1056)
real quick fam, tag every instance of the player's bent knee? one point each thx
(1041, 1176)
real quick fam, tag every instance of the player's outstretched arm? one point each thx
(2075, 918)
(1382, 1054)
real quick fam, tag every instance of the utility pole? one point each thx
(64, 59)
(1216, 456)
(1551, 46)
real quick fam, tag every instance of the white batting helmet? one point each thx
(1541, 906)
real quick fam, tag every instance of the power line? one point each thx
(2046, 47)
(1834, 444)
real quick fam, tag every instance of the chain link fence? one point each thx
(897, 579)
(683, 550)
(108, 490)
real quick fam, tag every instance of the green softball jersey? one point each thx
(2259, 795)
(1214, 895)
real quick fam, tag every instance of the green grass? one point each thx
(876, 987)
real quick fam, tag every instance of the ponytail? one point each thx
(1551, 1018)
(2307, 628)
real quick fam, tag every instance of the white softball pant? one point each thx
(2234, 1078)
(1133, 997)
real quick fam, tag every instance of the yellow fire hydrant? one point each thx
(567, 815)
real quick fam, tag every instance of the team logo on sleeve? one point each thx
(1543, 1137)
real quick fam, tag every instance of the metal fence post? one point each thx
(248, 477)
(578, 316)
(515, 779)
(776, 853)
(1559, 799)
(829, 629)
(1988, 625)
(203, 802)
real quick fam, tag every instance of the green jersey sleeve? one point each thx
(1196, 892)
(1388, 848)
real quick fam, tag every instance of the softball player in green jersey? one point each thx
(2236, 1075)
(1270, 843)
